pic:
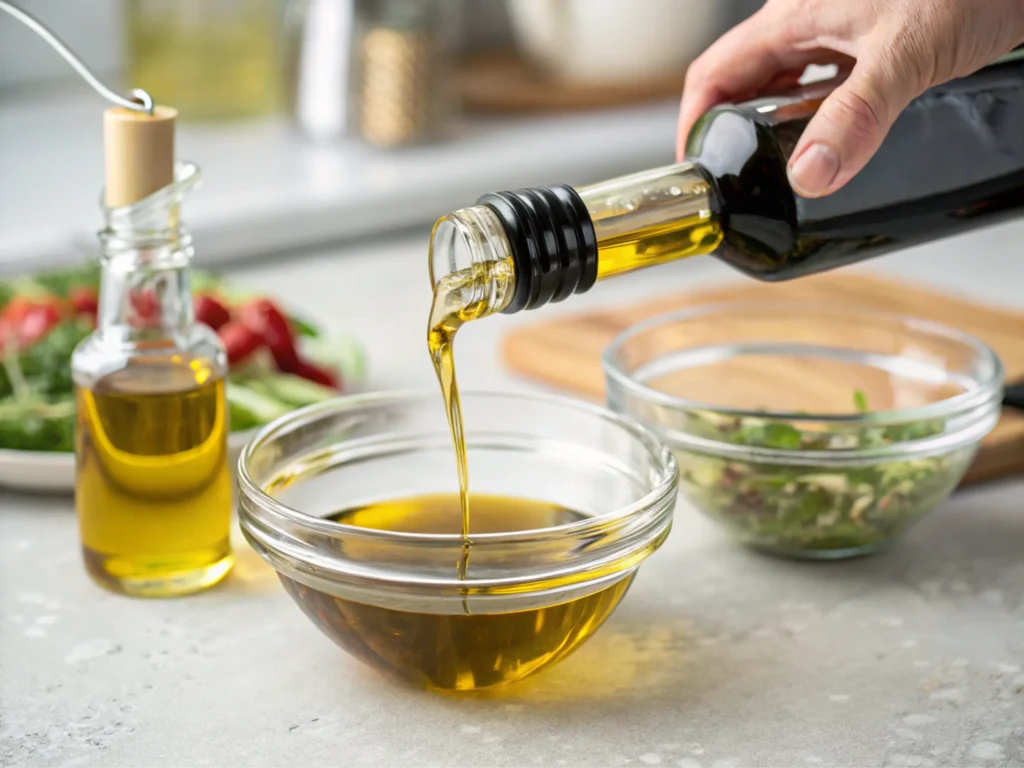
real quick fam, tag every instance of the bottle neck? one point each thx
(145, 254)
(560, 241)
(471, 262)
(650, 218)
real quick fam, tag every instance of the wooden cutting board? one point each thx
(565, 352)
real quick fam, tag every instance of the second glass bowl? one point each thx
(809, 431)
(396, 599)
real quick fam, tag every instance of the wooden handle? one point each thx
(139, 152)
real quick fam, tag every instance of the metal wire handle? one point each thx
(140, 101)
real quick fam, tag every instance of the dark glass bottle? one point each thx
(954, 161)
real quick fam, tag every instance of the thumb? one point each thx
(848, 128)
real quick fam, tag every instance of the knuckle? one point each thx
(793, 9)
(804, 9)
(914, 56)
(856, 114)
(794, 21)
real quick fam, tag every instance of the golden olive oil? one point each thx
(464, 651)
(457, 300)
(654, 243)
(458, 651)
(626, 240)
(153, 485)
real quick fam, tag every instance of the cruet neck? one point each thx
(151, 230)
(145, 255)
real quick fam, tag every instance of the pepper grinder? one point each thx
(377, 70)
(404, 72)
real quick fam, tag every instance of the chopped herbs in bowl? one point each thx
(807, 431)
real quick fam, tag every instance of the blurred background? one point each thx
(320, 121)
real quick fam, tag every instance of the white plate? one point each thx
(46, 472)
(43, 472)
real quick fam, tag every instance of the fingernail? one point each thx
(814, 170)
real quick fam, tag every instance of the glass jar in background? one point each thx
(210, 59)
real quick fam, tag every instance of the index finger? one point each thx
(752, 55)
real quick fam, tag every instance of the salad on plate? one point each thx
(278, 361)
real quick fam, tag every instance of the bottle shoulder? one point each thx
(725, 138)
(743, 155)
(106, 351)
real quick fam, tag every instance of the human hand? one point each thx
(891, 50)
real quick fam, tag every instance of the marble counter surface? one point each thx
(717, 657)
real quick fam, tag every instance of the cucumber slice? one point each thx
(249, 408)
(294, 390)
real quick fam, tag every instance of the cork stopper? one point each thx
(139, 151)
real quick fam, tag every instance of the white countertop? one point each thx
(717, 657)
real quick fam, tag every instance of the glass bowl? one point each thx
(809, 431)
(407, 602)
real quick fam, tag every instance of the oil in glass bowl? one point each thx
(458, 651)
(569, 500)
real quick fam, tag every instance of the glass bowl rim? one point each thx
(651, 501)
(986, 391)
